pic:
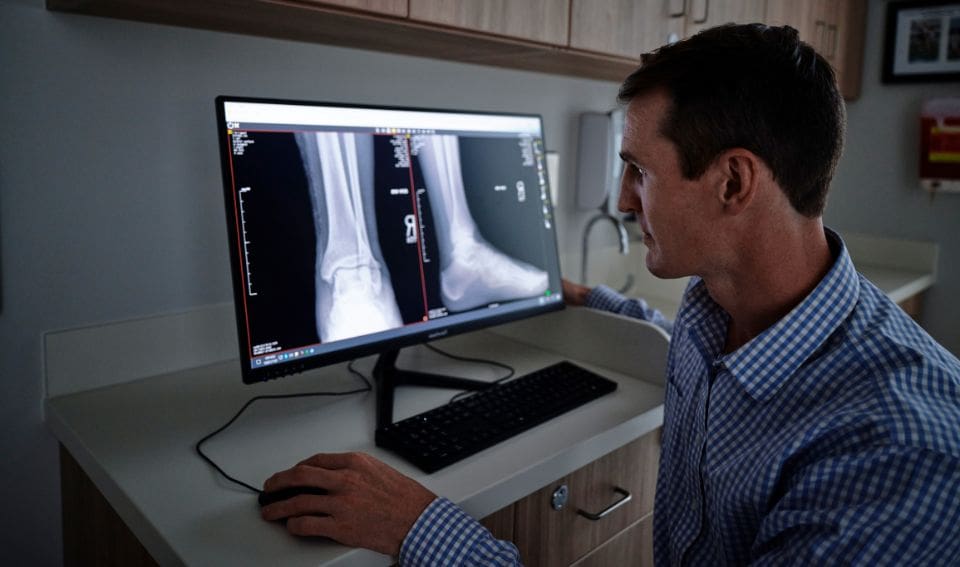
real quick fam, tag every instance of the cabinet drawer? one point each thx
(559, 537)
(632, 546)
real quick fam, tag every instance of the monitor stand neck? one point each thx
(388, 377)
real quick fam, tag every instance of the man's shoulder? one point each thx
(889, 338)
(915, 380)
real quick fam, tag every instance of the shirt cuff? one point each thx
(446, 535)
(604, 298)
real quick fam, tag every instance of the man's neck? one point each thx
(768, 277)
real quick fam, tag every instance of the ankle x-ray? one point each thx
(390, 208)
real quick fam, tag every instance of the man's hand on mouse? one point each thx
(369, 504)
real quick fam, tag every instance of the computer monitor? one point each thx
(361, 229)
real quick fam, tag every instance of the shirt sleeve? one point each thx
(878, 506)
(446, 535)
(606, 299)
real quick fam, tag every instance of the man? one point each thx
(807, 419)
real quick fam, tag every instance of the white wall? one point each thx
(111, 203)
(110, 195)
(876, 189)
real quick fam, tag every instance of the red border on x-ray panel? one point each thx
(416, 215)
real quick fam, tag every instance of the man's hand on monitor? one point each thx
(368, 503)
(574, 294)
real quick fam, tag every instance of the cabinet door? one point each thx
(551, 537)
(625, 27)
(851, 21)
(835, 28)
(703, 14)
(543, 21)
(389, 7)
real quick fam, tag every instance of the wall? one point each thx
(111, 203)
(876, 188)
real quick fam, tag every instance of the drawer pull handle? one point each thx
(624, 498)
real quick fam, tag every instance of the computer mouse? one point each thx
(267, 498)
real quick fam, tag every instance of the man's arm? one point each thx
(879, 506)
(606, 299)
(369, 504)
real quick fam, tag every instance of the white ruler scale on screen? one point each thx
(246, 241)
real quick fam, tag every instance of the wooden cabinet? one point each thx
(634, 27)
(703, 14)
(600, 39)
(389, 7)
(550, 537)
(93, 533)
(530, 35)
(625, 27)
(835, 28)
(543, 21)
(851, 22)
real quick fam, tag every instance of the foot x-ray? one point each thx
(389, 208)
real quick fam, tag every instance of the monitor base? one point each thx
(388, 377)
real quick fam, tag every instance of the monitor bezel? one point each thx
(251, 374)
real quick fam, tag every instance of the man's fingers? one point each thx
(332, 461)
(323, 526)
(300, 505)
(302, 475)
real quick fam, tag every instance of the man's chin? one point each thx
(662, 271)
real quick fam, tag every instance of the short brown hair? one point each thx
(755, 87)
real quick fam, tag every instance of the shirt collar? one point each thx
(763, 365)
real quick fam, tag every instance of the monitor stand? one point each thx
(388, 377)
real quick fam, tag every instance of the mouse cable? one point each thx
(510, 370)
(199, 446)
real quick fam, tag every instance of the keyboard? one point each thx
(442, 436)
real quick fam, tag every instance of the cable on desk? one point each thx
(199, 446)
(510, 370)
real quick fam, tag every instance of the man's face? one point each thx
(672, 211)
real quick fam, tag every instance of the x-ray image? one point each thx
(355, 293)
(347, 234)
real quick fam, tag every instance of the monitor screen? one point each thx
(358, 229)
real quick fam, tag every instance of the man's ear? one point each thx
(738, 179)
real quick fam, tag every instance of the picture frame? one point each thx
(922, 42)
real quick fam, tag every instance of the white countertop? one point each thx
(135, 440)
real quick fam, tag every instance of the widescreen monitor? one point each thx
(356, 230)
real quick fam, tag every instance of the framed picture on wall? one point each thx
(922, 42)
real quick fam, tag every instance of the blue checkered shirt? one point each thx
(832, 438)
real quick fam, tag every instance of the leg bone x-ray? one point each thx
(473, 273)
(354, 294)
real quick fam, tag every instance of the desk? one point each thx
(134, 440)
